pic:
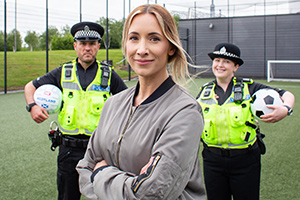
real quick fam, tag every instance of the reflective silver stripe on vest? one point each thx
(69, 131)
(87, 131)
(75, 131)
(90, 89)
(210, 101)
(232, 145)
(71, 86)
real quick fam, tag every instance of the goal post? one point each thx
(284, 73)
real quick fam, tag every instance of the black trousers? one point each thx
(67, 176)
(237, 176)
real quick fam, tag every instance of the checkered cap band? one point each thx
(225, 54)
(87, 34)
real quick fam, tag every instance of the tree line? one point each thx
(60, 40)
(63, 40)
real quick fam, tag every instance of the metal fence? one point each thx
(269, 34)
(260, 38)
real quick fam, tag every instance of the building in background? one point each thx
(260, 37)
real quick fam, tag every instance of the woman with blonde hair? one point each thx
(147, 141)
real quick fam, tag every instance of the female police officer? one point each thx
(231, 155)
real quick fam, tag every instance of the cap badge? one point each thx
(86, 28)
(223, 50)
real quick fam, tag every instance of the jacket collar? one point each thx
(162, 89)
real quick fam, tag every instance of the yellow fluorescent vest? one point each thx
(230, 125)
(81, 109)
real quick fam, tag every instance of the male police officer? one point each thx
(86, 84)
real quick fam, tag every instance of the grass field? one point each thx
(28, 166)
(25, 66)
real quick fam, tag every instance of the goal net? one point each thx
(283, 70)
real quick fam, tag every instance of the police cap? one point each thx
(228, 51)
(87, 31)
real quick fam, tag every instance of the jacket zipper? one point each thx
(153, 166)
(122, 135)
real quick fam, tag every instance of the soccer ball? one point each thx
(262, 98)
(49, 97)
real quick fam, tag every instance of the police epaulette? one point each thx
(247, 80)
(66, 63)
(203, 86)
(207, 84)
(106, 64)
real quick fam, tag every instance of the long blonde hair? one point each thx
(177, 63)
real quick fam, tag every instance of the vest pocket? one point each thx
(69, 117)
(96, 104)
(208, 133)
(236, 116)
(248, 134)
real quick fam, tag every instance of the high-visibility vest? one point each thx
(81, 109)
(230, 125)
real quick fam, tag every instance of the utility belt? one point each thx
(74, 142)
(57, 138)
(230, 152)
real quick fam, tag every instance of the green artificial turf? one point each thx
(28, 166)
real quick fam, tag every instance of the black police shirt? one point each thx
(224, 95)
(85, 78)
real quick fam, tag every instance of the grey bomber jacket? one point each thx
(166, 126)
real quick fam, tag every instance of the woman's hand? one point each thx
(144, 169)
(279, 112)
(100, 164)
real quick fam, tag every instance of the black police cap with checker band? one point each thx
(87, 31)
(228, 51)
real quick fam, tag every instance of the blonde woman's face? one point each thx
(147, 49)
